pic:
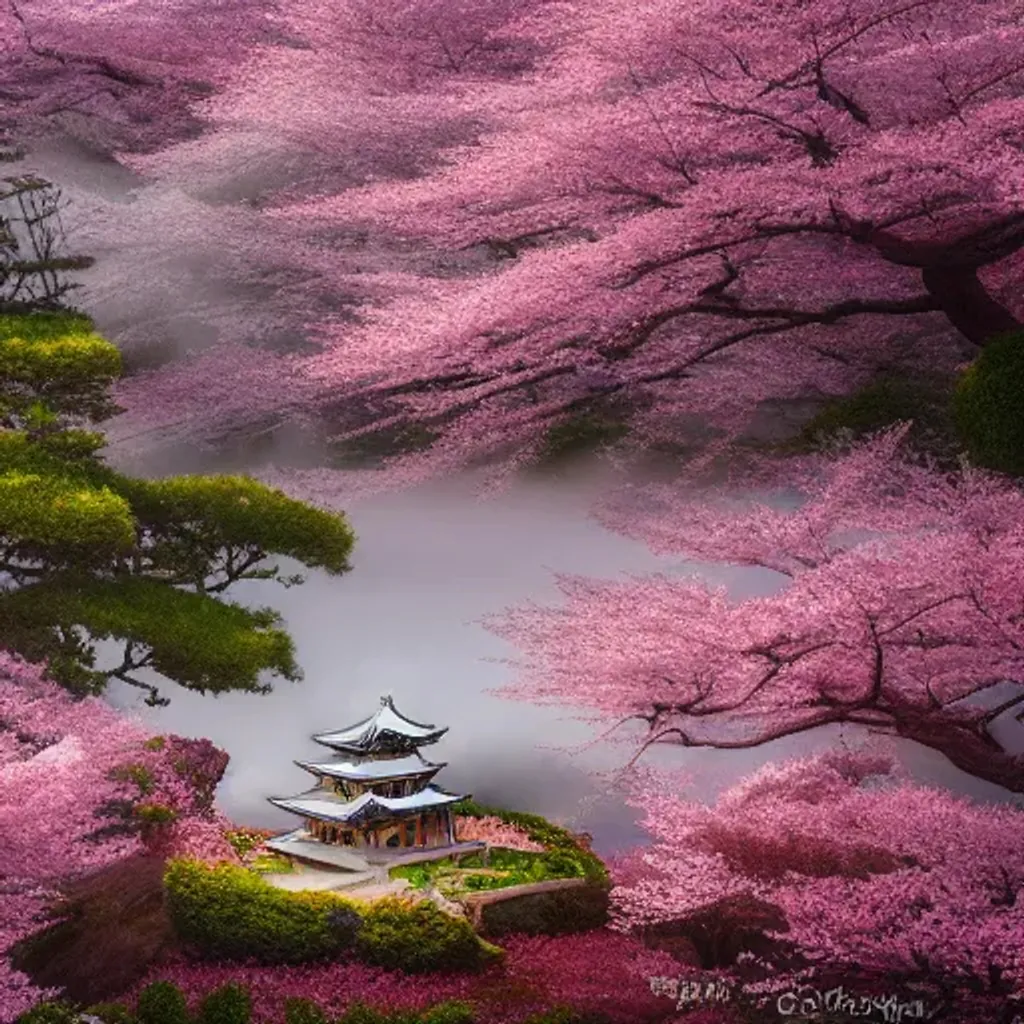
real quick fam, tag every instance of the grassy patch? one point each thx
(272, 863)
(556, 839)
(504, 868)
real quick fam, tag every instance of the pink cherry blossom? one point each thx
(900, 600)
(68, 771)
(902, 881)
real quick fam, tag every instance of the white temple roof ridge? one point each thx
(386, 719)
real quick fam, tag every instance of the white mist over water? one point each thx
(427, 566)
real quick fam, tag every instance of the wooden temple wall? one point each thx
(424, 830)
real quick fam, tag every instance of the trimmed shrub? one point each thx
(224, 912)
(52, 1012)
(398, 935)
(227, 1004)
(228, 913)
(162, 1002)
(988, 405)
(112, 1013)
(565, 1015)
(360, 1013)
(451, 1012)
(298, 1010)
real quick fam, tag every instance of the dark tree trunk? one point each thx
(949, 271)
(967, 745)
(969, 307)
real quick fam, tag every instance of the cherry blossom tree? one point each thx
(119, 75)
(688, 210)
(897, 884)
(82, 786)
(902, 600)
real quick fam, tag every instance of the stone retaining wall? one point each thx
(538, 907)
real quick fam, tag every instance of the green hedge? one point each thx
(225, 912)
(49, 1012)
(227, 1004)
(419, 937)
(518, 867)
(112, 1013)
(988, 405)
(161, 1002)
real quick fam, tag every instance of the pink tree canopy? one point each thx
(902, 599)
(696, 208)
(899, 882)
(119, 75)
(66, 769)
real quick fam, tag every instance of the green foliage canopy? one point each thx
(92, 554)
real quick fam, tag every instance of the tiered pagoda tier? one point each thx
(377, 792)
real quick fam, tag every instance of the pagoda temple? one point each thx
(377, 793)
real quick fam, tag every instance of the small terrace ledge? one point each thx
(304, 847)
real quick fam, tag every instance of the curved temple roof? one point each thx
(316, 803)
(412, 766)
(386, 729)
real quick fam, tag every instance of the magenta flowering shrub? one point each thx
(493, 830)
(599, 971)
(74, 777)
(898, 881)
(200, 764)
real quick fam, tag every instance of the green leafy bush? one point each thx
(563, 864)
(228, 913)
(272, 864)
(162, 1002)
(451, 1012)
(227, 1004)
(243, 840)
(416, 937)
(303, 1011)
(923, 400)
(225, 912)
(112, 1013)
(478, 883)
(155, 813)
(51, 1012)
(360, 1013)
(988, 405)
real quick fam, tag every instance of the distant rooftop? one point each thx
(385, 731)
